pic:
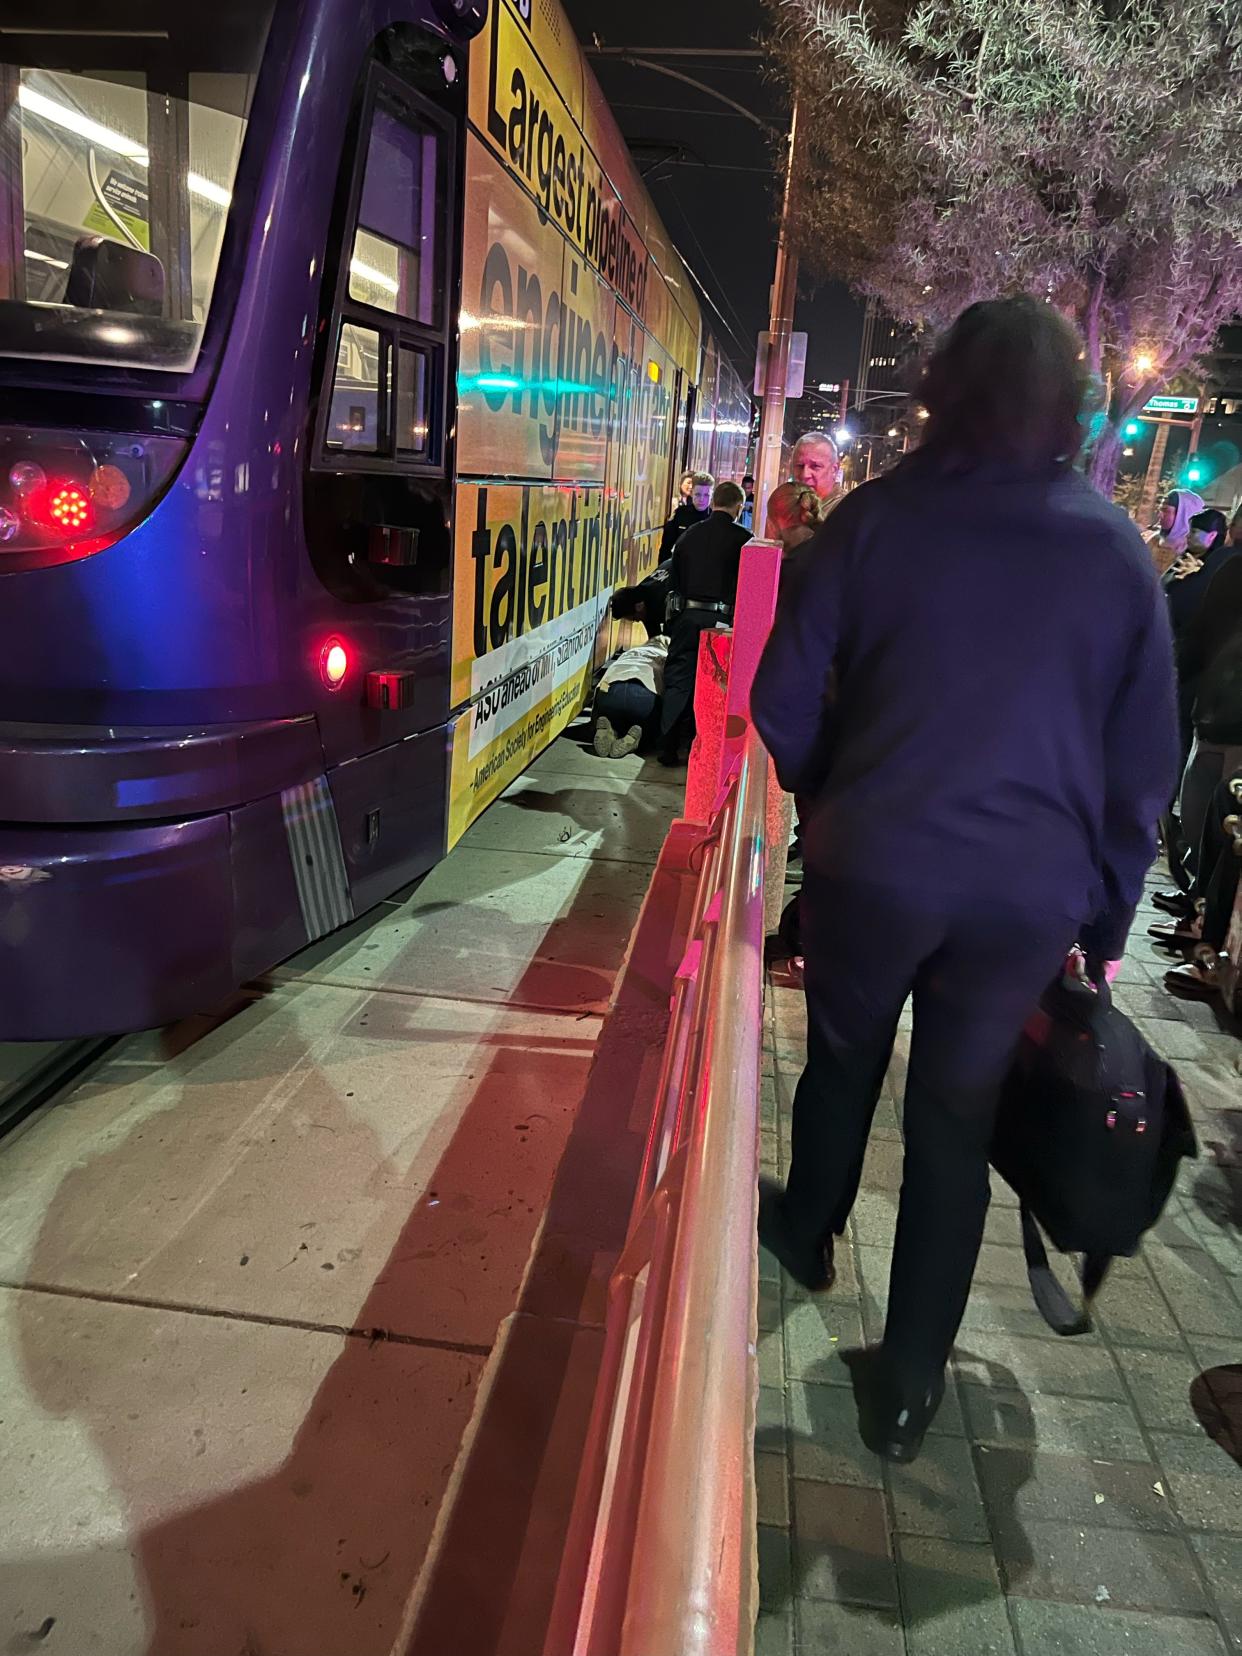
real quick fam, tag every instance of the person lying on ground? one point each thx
(627, 702)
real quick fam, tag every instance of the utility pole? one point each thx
(1196, 429)
(1159, 447)
(1155, 468)
(780, 327)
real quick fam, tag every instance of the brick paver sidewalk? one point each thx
(1068, 1500)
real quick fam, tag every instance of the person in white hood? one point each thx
(1168, 542)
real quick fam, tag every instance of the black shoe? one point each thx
(1174, 902)
(1179, 936)
(1201, 978)
(670, 759)
(893, 1419)
(811, 1268)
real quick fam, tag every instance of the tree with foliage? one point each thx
(1086, 150)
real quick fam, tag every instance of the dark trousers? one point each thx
(680, 670)
(790, 928)
(1218, 869)
(626, 703)
(1210, 765)
(976, 971)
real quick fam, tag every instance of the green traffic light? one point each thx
(1195, 473)
(1133, 428)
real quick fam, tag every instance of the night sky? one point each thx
(710, 171)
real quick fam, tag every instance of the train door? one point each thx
(378, 483)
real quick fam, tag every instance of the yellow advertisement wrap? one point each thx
(535, 567)
(515, 329)
(576, 356)
(516, 103)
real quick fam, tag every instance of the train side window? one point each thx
(354, 417)
(378, 475)
(386, 408)
(413, 414)
(397, 252)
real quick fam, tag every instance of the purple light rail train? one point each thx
(345, 370)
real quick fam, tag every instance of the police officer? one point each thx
(706, 561)
(696, 508)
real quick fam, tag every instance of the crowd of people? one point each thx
(645, 698)
(979, 645)
(1201, 555)
(646, 695)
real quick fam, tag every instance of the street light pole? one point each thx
(780, 328)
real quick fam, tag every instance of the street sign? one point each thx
(796, 377)
(1172, 405)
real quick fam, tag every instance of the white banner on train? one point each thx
(507, 683)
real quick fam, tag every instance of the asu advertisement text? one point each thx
(535, 567)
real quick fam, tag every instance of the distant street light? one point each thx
(1144, 362)
(843, 435)
(892, 431)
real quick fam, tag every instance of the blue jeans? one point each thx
(626, 702)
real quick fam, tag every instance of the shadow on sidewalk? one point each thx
(1218, 1185)
(847, 1554)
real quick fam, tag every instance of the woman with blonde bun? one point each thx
(795, 512)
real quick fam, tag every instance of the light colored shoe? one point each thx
(605, 740)
(623, 746)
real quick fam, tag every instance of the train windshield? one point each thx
(121, 128)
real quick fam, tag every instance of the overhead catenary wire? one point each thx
(699, 283)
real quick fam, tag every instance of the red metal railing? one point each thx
(659, 1559)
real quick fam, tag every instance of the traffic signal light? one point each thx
(1196, 470)
(1132, 428)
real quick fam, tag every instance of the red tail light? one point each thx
(67, 494)
(68, 507)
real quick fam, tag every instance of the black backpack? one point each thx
(1091, 1128)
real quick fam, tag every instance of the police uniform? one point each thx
(706, 561)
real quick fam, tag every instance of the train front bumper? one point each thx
(110, 929)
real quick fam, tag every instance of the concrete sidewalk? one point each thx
(1069, 1502)
(255, 1271)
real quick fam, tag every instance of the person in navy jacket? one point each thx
(975, 689)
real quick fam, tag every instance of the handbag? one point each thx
(1091, 1127)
